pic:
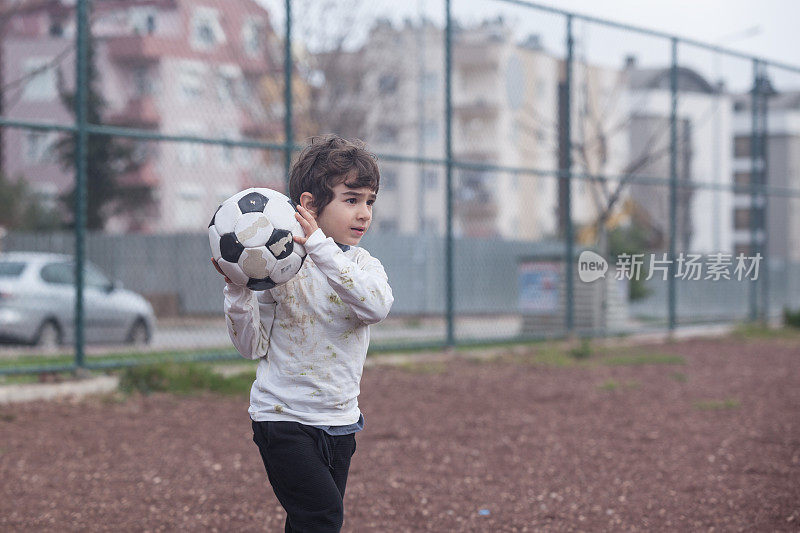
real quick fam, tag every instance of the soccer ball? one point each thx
(251, 239)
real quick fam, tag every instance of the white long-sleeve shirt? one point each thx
(311, 334)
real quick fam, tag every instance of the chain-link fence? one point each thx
(543, 173)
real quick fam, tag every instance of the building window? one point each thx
(207, 31)
(39, 147)
(247, 90)
(741, 219)
(227, 151)
(41, 80)
(742, 179)
(741, 147)
(143, 21)
(56, 29)
(387, 84)
(252, 32)
(191, 81)
(191, 153)
(189, 208)
(142, 83)
(228, 80)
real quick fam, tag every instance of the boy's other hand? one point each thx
(227, 279)
(307, 222)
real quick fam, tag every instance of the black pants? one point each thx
(307, 469)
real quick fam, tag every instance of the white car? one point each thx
(37, 303)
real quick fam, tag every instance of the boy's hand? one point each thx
(227, 279)
(307, 222)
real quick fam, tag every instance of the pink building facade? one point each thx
(175, 67)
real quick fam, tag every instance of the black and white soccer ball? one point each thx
(251, 239)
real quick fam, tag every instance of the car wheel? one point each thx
(139, 335)
(48, 337)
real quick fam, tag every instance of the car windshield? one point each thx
(11, 269)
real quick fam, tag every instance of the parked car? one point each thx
(37, 303)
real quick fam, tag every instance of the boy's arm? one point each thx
(365, 288)
(249, 319)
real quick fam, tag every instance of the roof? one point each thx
(659, 78)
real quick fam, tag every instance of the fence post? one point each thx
(287, 75)
(81, 138)
(764, 218)
(448, 65)
(566, 174)
(754, 170)
(673, 181)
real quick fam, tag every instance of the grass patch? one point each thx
(679, 377)
(637, 359)
(41, 377)
(183, 378)
(612, 385)
(716, 405)
(791, 318)
(552, 356)
(584, 351)
(759, 331)
(37, 360)
(548, 355)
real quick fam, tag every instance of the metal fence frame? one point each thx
(758, 189)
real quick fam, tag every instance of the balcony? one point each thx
(476, 56)
(139, 112)
(137, 48)
(482, 107)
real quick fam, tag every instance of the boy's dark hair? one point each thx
(327, 161)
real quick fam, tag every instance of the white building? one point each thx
(704, 215)
(505, 103)
(783, 171)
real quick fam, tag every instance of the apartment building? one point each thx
(782, 219)
(704, 214)
(504, 114)
(176, 67)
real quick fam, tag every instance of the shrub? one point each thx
(791, 318)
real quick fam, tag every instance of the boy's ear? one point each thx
(305, 200)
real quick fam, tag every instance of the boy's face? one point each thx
(348, 216)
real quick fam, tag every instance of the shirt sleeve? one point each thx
(249, 317)
(363, 286)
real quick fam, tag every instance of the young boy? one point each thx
(311, 336)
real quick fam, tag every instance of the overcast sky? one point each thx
(764, 28)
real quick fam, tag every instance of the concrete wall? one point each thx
(159, 266)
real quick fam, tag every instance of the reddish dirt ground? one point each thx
(501, 445)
